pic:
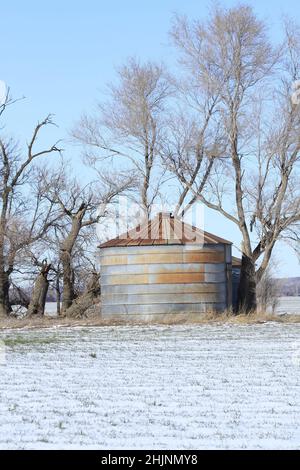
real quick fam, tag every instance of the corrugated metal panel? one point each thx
(164, 288)
(162, 258)
(159, 278)
(215, 277)
(159, 268)
(228, 267)
(149, 250)
(142, 299)
(161, 308)
(236, 271)
(163, 281)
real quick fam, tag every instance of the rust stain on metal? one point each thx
(171, 258)
(129, 279)
(158, 268)
(178, 278)
(163, 230)
(198, 257)
(173, 278)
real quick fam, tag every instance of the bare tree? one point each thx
(91, 295)
(268, 290)
(16, 231)
(81, 207)
(256, 186)
(193, 147)
(292, 237)
(39, 294)
(129, 128)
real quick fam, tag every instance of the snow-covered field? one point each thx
(288, 305)
(203, 386)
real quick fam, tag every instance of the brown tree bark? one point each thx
(66, 256)
(58, 296)
(5, 307)
(247, 286)
(38, 300)
(87, 299)
(68, 287)
(19, 297)
(4, 277)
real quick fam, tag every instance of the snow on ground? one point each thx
(288, 305)
(185, 387)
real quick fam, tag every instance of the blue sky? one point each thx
(60, 55)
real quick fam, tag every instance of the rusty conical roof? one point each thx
(164, 229)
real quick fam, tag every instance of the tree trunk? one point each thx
(38, 300)
(86, 300)
(68, 280)
(4, 277)
(58, 295)
(5, 307)
(66, 257)
(19, 297)
(247, 286)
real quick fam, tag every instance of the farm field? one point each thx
(161, 387)
(288, 305)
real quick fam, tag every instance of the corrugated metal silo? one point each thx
(236, 272)
(165, 267)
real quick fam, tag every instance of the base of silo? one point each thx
(177, 317)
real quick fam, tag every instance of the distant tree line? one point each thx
(289, 287)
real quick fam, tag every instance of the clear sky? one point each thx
(60, 55)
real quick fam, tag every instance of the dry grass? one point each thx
(94, 319)
(226, 317)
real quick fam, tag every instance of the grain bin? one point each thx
(236, 272)
(165, 267)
